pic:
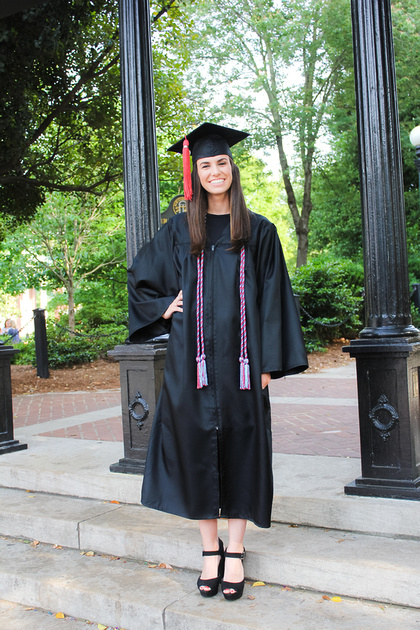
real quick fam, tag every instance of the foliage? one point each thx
(277, 64)
(263, 197)
(97, 302)
(68, 241)
(412, 207)
(101, 302)
(415, 316)
(336, 224)
(60, 116)
(65, 350)
(406, 33)
(330, 294)
(8, 307)
(173, 36)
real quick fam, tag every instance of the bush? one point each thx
(102, 302)
(65, 350)
(331, 298)
(26, 354)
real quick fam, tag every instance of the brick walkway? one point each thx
(37, 408)
(310, 426)
(311, 415)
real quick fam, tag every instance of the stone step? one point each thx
(346, 563)
(127, 594)
(308, 490)
(17, 616)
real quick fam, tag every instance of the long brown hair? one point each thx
(240, 222)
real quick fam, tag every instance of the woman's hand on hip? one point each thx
(174, 307)
(265, 379)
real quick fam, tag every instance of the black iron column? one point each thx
(41, 345)
(141, 365)
(388, 351)
(7, 442)
(141, 186)
(385, 249)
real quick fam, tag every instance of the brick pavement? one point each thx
(300, 424)
(319, 385)
(108, 430)
(37, 408)
(315, 428)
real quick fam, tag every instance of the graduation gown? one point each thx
(210, 449)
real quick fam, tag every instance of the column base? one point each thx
(388, 384)
(128, 466)
(383, 489)
(11, 446)
(141, 376)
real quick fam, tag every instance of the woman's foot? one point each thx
(213, 565)
(233, 579)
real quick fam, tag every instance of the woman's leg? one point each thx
(208, 531)
(234, 570)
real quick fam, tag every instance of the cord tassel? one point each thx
(202, 380)
(188, 194)
(244, 369)
(202, 372)
(245, 381)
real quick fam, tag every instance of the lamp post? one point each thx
(415, 141)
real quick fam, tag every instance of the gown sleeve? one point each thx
(152, 287)
(283, 348)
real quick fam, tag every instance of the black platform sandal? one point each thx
(213, 583)
(238, 587)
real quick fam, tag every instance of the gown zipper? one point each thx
(218, 427)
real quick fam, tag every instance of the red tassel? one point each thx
(187, 170)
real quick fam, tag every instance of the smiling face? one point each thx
(215, 174)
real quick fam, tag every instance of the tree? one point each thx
(336, 224)
(69, 240)
(406, 30)
(60, 117)
(59, 68)
(280, 65)
(263, 195)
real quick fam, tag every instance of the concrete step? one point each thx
(132, 595)
(346, 563)
(16, 617)
(308, 490)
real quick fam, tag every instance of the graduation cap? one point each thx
(207, 140)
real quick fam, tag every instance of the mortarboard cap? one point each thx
(207, 140)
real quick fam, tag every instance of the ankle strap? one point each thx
(211, 553)
(231, 554)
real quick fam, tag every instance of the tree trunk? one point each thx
(302, 249)
(70, 296)
(301, 221)
(302, 229)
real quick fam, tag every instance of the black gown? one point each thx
(210, 449)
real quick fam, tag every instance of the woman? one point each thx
(11, 330)
(215, 278)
